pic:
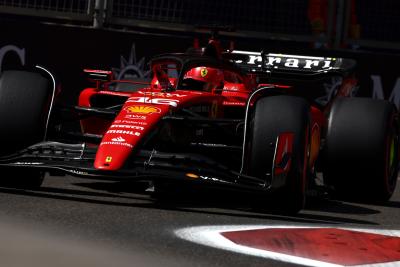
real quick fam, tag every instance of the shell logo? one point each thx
(142, 109)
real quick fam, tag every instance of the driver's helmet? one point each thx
(203, 79)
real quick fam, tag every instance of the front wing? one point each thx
(77, 160)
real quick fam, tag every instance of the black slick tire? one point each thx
(361, 151)
(271, 117)
(25, 99)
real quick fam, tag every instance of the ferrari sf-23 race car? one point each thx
(269, 123)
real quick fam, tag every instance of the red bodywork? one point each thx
(144, 108)
(141, 113)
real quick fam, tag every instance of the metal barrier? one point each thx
(288, 19)
(372, 23)
(81, 10)
(326, 23)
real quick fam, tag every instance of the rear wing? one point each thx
(98, 75)
(260, 62)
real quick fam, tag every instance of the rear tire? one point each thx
(361, 152)
(24, 105)
(273, 116)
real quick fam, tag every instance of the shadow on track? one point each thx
(206, 197)
(338, 206)
(195, 200)
(390, 204)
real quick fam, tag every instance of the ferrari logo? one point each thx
(108, 159)
(143, 109)
(203, 72)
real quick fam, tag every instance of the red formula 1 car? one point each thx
(276, 124)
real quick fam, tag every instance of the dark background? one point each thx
(66, 50)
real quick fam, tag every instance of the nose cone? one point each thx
(113, 152)
(134, 122)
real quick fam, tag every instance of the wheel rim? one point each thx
(392, 154)
(391, 162)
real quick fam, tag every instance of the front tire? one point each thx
(25, 99)
(273, 116)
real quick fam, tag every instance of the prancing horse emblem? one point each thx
(203, 72)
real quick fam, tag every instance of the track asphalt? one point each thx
(79, 222)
